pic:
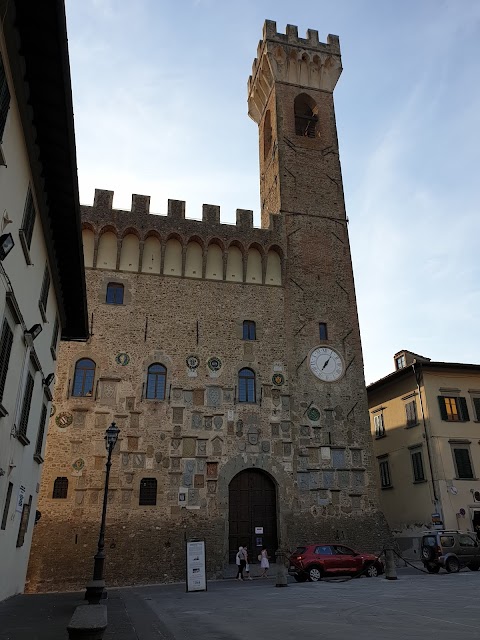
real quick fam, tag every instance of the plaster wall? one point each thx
(19, 300)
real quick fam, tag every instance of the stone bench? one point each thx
(88, 622)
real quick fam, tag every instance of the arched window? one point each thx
(306, 116)
(156, 382)
(246, 385)
(83, 379)
(249, 332)
(114, 293)
(60, 488)
(148, 491)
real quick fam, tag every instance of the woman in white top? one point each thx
(264, 563)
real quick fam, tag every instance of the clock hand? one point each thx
(326, 362)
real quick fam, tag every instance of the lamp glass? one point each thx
(111, 435)
(35, 331)
(6, 245)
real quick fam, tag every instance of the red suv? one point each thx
(317, 560)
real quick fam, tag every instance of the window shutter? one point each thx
(464, 416)
(7, 505)
(27, 400)
(45, 288)
(411, 412)
(476, 404)
(41, 431)
(4, 99)
(53, 346)
(24, 522)
(5, 349)
(464, 466)
(28, 218)
(443, 408)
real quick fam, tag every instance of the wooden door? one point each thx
(252, 504)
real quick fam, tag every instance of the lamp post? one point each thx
(96, 586)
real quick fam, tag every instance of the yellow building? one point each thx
(424, 420)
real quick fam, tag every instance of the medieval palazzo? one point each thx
(229, 357)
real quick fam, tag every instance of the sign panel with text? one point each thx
(196, 570)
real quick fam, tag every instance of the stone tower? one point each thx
(229, 357)
(290, 96)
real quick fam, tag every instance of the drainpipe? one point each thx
(426, 436)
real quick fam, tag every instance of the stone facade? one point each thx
(188, 288)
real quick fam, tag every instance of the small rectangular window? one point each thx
(28, 221)
(114, 293)
(417, 465)
(60, 488)
(6, 506)
(44, 292)
(453, 409)
(401, 362)
(41, 431)
(53, 345)
(148, 492)
(379, 425)
(476, 406)
(24, 522)
(249, 332)
(322, 330)
(411, 411)
(6, 341)
(385, 479)
(463, 463)
(27, 401)
(4, 99)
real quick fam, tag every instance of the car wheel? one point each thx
(473, 567)
(371, 571)
(427, 553)
(314, 574)
(432, 568)
(452, 565)
(300, 578)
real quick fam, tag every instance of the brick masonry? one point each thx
(197, 439)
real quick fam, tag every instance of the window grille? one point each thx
(60, 488)
(148, 491)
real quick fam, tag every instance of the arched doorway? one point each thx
(252, 506)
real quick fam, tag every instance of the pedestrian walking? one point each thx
(264, 563)
(247, 564)
(241, 562)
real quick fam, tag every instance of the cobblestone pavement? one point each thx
(415, 606)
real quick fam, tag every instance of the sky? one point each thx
(159, 90)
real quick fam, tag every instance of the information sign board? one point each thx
(196, 570)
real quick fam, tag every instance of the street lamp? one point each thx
(96, 586)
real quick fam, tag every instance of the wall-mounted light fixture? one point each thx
(49, 379)
(6, 245)
(35, 331)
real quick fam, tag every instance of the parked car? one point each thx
(314, 561)
(451, 550)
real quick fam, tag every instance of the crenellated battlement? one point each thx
(284, 57)
(172, 244)
(291, 37)
(140, 216)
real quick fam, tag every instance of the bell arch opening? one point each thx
(252, 506)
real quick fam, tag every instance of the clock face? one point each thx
(326, 364)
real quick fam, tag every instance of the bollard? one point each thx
(390, 568)
(281, 569)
